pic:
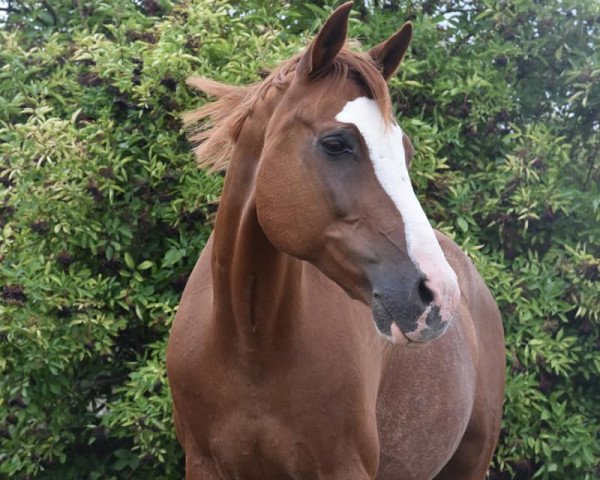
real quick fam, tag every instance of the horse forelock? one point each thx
(215, 127)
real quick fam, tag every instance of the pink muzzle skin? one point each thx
(397, 337)
(436, 318)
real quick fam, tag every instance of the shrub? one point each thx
(103, 212)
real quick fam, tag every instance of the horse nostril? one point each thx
(424, 293)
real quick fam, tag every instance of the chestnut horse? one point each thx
(327, 331)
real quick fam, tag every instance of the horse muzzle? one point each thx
(418, 314)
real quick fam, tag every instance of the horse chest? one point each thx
(251, 441)
(243, 446)
(424, 407)
(282, 427)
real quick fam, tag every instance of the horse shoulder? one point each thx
(481, 304)
(193, 315)
(489, 331)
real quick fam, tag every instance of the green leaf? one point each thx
(172, 256)
(145, 265)
(462, 223)
(129, 260)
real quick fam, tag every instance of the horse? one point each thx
(327, 331)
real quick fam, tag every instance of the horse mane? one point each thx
(214, 127)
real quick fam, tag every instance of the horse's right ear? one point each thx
(389, 54)
(331, 38)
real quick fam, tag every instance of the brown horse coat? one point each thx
(276, 367)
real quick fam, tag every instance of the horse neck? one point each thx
(255, 286)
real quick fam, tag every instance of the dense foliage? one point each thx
(103, 212)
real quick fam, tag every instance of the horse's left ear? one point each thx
(389, 54)
(322, 51)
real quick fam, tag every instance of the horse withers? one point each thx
(327, 331)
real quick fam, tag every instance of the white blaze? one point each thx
(386, 150)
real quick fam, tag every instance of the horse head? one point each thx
(333, 187)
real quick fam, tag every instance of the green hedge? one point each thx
(103, 212)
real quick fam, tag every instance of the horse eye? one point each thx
(336, 146)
